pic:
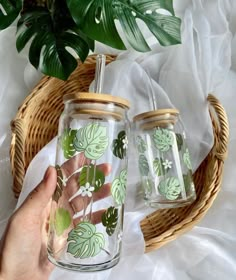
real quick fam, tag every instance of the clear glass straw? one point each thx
(99, 73)
(153, 96)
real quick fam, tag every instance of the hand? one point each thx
(71, 199)
(23, 254)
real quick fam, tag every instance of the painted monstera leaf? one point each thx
(120, 145)
(179, 140)
(9, 10)
(118, 188)
(84, 241)
(141, 145)
(92, 140)
(188, 181)
(92, 175)
(163, 139)
(170, 188)
(96, 18)
(110, 219)
(62, 221)
(67, 143)
(186, 158)
(143, 165)
(123, 176)
(158, 167)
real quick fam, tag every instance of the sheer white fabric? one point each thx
(181, 76)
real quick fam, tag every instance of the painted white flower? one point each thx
(125, 142)
(167, 164)
(84, 191)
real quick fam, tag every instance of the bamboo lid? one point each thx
(96, 97)
(155, 113)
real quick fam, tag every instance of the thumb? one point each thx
(39, 198)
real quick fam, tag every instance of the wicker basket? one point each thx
(36, 123)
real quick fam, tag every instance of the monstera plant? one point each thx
(53, 28)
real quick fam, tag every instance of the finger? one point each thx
(96, 217)
(39, 198)
(73, 183)
(74, 163)
(77, 203)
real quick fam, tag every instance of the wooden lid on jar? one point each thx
(96, 97)
(156, 113)
(157, 118)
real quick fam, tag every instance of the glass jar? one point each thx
(87, 209)
(163, 159)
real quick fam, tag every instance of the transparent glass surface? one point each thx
(164, 162)
(86, 218)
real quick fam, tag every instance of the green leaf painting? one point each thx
(62, 221)
(67, 143)
(9, 10)
(163, 139)
(170, 188)
(110, 219)
(84, 241)
(92, 175)
(188, 181)
(186, 158)
(123, 176)
(141, 145)
(118, 188)
(120, 145)
(179, 140)
(158, 167)
(143, 165)
(97, 18)
(92, 140)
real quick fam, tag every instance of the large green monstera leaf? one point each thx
(118, 188)
(170, 188)
(163, 139)
(92, 140)
(109, 220)
(67, 143)
(92, 175)
(9, 10)
(96, 18)
(50, 35)
(120, 145)
(62, 220)
(84, 241)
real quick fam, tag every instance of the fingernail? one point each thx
(47, 173)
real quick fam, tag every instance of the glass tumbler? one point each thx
(87, 209)
(163, 159)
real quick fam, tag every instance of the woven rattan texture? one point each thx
(36, 123)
